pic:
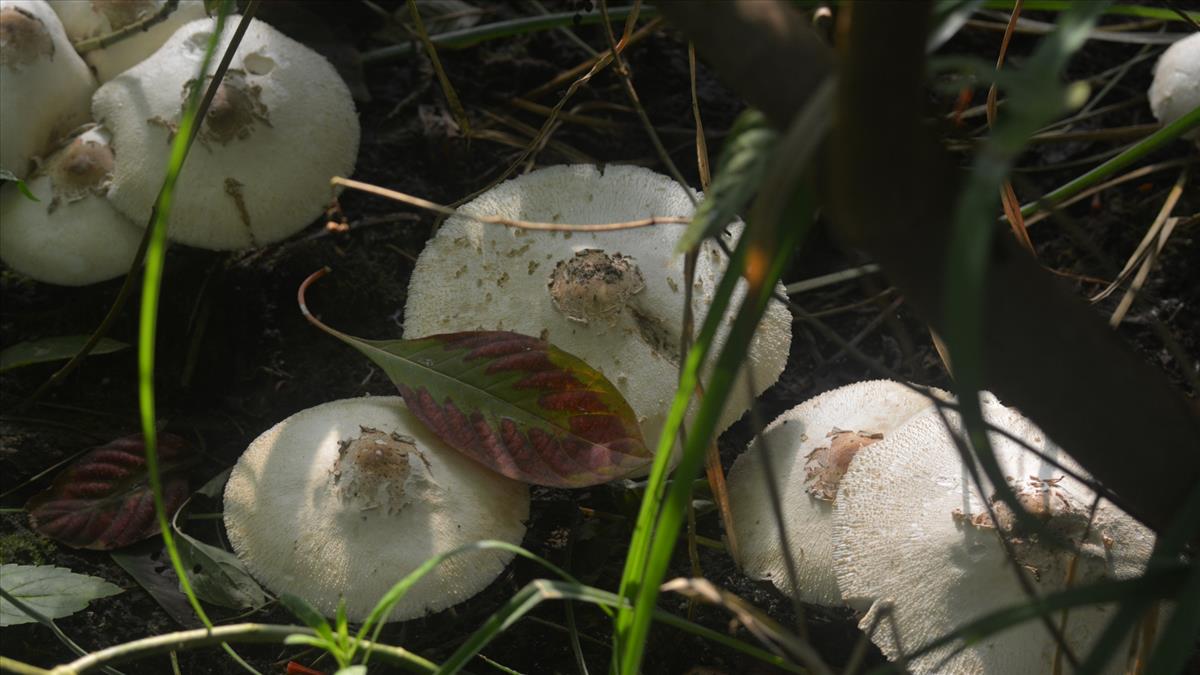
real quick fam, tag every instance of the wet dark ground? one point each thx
(235, 355)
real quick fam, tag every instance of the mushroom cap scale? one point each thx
(613, 299)
(1175, 89)
(811, 445)
(911, 537)
(85, 20)
(281, 126)
(72, 236)
(45, 86)
(345, 499)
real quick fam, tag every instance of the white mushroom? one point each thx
(613, 299)
(345, 499)
(913, 539)
(1175, 90)
(97, 18)
(72, 236)
(282, 124)
(811, 446)
(44, 85)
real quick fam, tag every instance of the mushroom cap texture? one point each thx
(903, 535)
(69, 237)
(86, 20)
(45, 86)
(874, 407)
(255, 183)
(476, 276)
(298, 534)
(1175, 90)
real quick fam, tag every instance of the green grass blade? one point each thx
(542, 589)
(1106, 170)
(152, 283)
(1139, 11)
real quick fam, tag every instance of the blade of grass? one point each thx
(542, 589)
(761, 253)
(1134, 153)
(189, 125)
(1139, 11)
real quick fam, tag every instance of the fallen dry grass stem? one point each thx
(1008, 196)
(498, 220)
(572, 73)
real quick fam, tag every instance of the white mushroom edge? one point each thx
(811, 447)
(72, 236)
(281, 125)
(344, 499)
(914, 546)
(44, 86)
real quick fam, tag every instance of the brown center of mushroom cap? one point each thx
(84, 167)
(1065, 536)
(594, 285)
(235, 110)
(121, 13)
(372, 471)
(23, 38)
(825, 466)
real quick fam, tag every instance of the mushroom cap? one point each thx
(281, 125)
(72, 236)
(1175, 90)
(45, 86)
(811, 445)
(613, 299)
(86, 20)
(910, 529)
(312, 515)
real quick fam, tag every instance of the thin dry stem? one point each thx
(498, 220)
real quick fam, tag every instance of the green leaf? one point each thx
(8, 176)
(310, 616)
(58, 348)
(53, 591)
(514, 403)
(743, 164)
(352, 670)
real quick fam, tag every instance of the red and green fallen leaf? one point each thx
(514, 403)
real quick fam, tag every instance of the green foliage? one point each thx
(51, 349)
(745, 158)
(54, 592)
(7, 176)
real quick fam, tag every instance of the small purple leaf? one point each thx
(103, 500)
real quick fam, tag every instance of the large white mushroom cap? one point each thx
(613, 299)
(1175, 90)
(72, 236)
(345, 499)
(44, 86)
(811, 446)
(912, 532)
(86, 20)
(282, 124)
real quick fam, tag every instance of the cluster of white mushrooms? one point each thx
(378, 494)
(92, 137)
(881, 514)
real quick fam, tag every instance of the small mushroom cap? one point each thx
(614, 299)
(45, 87)
(72, 236)
(910, 529)
(345, 499)
(86, 20)
(811, 445)
(282, 124)
(1175, 90)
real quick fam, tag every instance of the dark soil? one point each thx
(235, 356)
